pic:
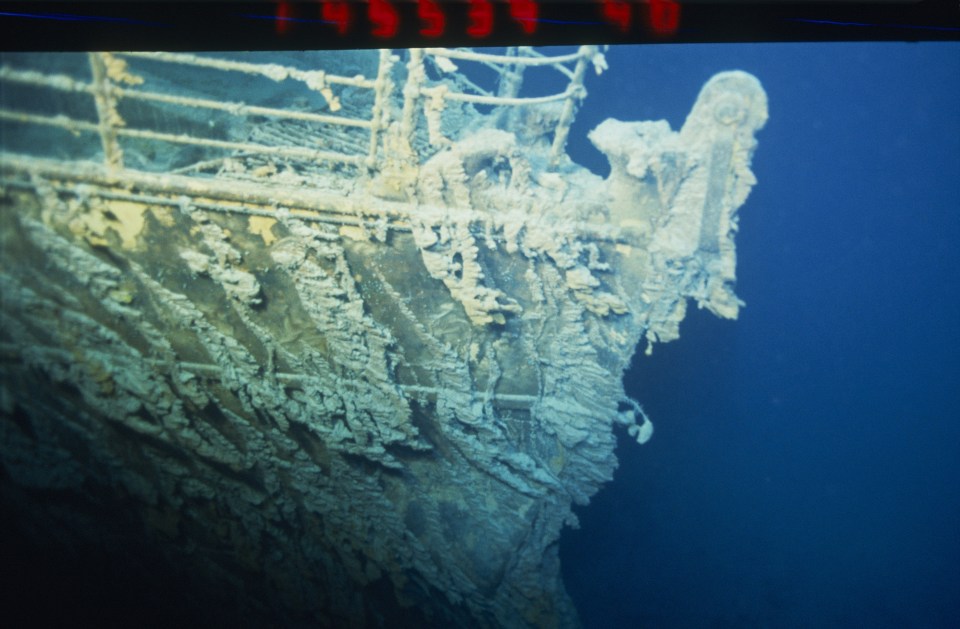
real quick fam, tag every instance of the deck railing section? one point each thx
(394, 105)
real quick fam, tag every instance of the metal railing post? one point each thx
(379, 118)
(411, 94)
(107, 114)
(575, 93)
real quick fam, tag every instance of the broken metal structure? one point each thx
(344, 332)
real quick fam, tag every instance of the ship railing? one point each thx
(135, 116)
(509, 70)
(113, 82)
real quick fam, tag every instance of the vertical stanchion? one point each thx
(411, 94)
(381, 96)
(107, 114)
(575, 93)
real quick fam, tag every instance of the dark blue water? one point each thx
(805, 470)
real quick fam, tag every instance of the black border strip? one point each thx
(220, 25)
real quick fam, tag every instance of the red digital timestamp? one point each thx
(384, 18)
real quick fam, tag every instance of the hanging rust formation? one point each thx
(345, 332)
